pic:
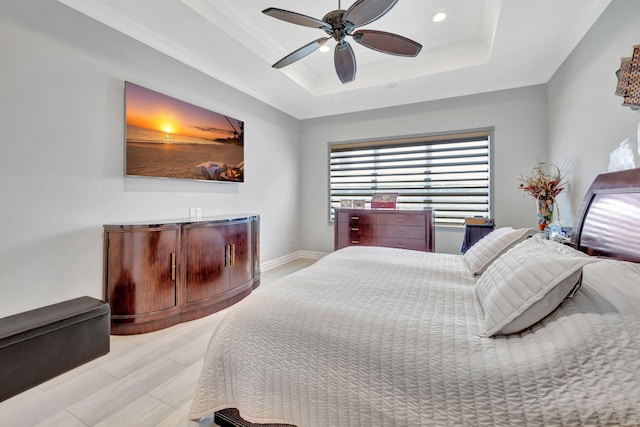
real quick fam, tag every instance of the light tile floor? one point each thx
(145, 380)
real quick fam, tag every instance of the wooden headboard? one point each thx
(608, 222)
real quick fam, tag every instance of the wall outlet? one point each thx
(195, 213)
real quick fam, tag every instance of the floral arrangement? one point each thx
(545, 181)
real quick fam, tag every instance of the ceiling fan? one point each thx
(342, 23)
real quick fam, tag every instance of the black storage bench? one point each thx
(40, 344)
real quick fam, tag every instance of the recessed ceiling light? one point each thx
(439, 17)
(324, 48)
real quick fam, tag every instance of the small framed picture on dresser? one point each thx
(358, 203)
(346, 203)
(384, 200)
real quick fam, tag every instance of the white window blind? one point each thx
(449, 173)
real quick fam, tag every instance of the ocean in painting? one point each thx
(157, 154)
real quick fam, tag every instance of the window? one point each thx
(449, 173)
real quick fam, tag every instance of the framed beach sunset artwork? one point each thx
(169, 138)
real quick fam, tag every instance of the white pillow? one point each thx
(491, 246)
(527, 283)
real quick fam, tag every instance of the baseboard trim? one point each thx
(311, 254)
(268, 265)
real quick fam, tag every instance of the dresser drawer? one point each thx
(401, 219)
(400, 231)
(345, 240)
(357, 229)
(355, 218)
(413, 244)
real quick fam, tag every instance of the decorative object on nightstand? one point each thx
(560, 234)
(544, 183)
(629, 80)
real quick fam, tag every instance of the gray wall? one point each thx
(520, 120)
(61, 153)
(586, 120)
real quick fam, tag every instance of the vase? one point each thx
(545, 213)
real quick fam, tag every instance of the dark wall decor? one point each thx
(629, 80)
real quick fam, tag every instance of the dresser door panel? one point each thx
(140, 273)
(239, 258)
(205, 253)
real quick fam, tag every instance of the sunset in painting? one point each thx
(166, 137)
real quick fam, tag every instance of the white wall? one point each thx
(520, 121)
(61, 153)
(586, 120)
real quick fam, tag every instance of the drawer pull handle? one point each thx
(399, 232)
(355, 217)
(355, 229)
(173, 266)
(355, 242)
(399, 245)
(399, 219)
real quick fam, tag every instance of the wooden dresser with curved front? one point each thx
(162, 273)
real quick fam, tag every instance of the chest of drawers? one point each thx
(406, 229)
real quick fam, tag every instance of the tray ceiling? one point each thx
(482, 46)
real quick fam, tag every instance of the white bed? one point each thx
(389, 337)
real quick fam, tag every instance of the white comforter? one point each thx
(387, 337)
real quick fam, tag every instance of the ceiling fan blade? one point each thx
(345, 62)
(363, 12)
(390, 43)
(300, 53)
(296, 18)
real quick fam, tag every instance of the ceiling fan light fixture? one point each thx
(439, 17)
(324, 48)
(340, 24)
